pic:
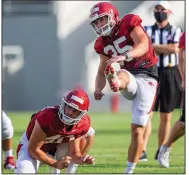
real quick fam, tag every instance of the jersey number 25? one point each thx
(116, 49)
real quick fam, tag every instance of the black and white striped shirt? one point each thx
(167, 35)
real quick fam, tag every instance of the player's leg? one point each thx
(24, 163)
(7, 134)
(128, 87)
(148, 128)
(54, 154)
(8, 155)
(164, 127)
(177, 131)
(61, 151)
(87, 141)
(85, 145)
(147, 133)
(142, 105)
(169, 98)
(165, 109)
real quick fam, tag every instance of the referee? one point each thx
(165, 39)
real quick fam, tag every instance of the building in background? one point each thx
(31, 62)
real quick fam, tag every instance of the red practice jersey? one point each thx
(182, 41)
(54, 128)
(121, 41)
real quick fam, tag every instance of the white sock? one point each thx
(8, 153)
(71, 168)
(130, 168)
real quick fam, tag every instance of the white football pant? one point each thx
(7, 128)
(142, 91)
(26, 164)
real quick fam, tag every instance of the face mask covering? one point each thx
(160, 16)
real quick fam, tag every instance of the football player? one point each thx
(58, 136)
(7, 134)
(124, 41)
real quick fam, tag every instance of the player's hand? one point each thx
(63, 163)
(98, 95)
(89, 160)
(117, 59)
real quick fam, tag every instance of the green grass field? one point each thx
(111, 145)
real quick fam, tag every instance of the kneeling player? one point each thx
(50, 129)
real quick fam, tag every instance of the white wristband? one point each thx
(127, 58)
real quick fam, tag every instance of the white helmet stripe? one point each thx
(79, 100)
(96, 9)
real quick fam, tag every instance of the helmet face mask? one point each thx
(75, 101)
(101, 10)
(68, 120)
(106, 29)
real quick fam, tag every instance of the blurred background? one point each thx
(48, 49)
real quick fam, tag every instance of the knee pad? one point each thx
(7, 128)
(91, 132)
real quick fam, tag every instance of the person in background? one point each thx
(178, 130)
(165, 39)
(7, 134)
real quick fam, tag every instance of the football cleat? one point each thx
(156, 155)
(111, 76)
(9, 163)
(163, 156)
(143, 157)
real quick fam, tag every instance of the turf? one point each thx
(111, 144)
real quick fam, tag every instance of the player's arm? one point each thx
(100, 81)
(182, 62)
(166, 48)
(141, 42)
(36, 141)
(76, 154)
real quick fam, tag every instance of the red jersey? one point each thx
(121, 41)
(182, 41)
(54, 128)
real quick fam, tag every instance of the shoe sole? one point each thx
(162, 164)
(111, 77)
(143, 160)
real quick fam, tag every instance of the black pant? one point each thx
(169, 90)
